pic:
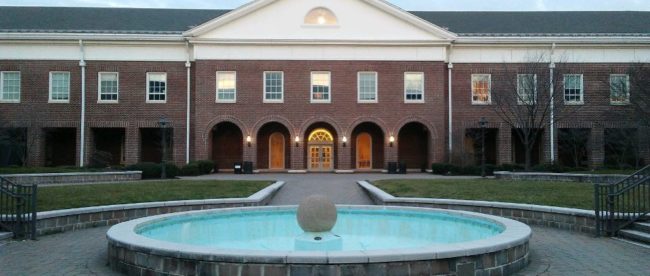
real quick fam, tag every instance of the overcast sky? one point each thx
(449, 5)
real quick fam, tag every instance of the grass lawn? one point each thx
(561, 194)
(75, 196)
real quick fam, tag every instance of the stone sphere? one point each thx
(316, 213)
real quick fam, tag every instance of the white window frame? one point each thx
(216, 95)
(422, 87)
(471, 87)
(359, 100)
(50, 100)
(311, 87)
(2, 80)
(519, 101)
(627, 89)
(265, 100)
(582, 90)
(166, 88)
(99, 88)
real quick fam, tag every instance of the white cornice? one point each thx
(319, 42)
(90, 36)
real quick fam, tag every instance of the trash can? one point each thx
(248, 167)
(239, 168)
(392, 167)
(402, 167)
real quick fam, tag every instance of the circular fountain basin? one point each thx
(374, 239)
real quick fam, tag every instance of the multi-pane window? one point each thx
(273, 86)
(108, 87)
(573, 91)
(481, 85)
(367, 87)
(320, 87)
(619, 89)
(60, 87)
(157, 87)
(10, 87)
(414, 87)
(226, 87)
(526, 89)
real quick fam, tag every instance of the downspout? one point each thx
(82, 143)
(188, 65)
(450, 66)
(551, 67)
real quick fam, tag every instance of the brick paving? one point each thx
(553, 252)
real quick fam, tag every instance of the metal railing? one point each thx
(18, 208)
(621, 204)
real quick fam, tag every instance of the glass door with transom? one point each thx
(321, 150)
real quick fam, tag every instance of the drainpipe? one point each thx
(82, 143)
(188, 65)
(450, 66)
(551, 67)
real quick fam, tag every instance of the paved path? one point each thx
(554, 252)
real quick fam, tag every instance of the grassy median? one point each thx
(561, 194)
(75, 196)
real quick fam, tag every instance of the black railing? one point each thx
(621, 204)
(18, 208)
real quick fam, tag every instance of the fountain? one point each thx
(319, 236)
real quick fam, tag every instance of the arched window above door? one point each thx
(321, 16)
(320, 135)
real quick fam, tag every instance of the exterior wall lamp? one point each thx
(391, 140)
(297, 140)
(248, 140)
(345, 141)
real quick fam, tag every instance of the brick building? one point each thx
(312, 85)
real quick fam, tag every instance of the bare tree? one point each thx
(523, 99)
(639, 82)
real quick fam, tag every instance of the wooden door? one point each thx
(364, 151)
(276, 151)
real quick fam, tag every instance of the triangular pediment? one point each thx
(285, 20)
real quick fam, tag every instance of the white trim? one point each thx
(471, 90)
(329, 86)
(422, 87)
(359, 100)
(2, 74)
(166, 88)
(519, 101)
(582, 90)
(264, 100)
(99, 87)
(50, 100)
(216, 93)
(627, 89)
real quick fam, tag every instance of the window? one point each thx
(226, 87)
(108, 87)
(59, 87)
(273, 87)
(320, 87)
(320, 16)
(156, 87)
(481, 86)
(573, 93)
(526, 89)
(10, 87)
(619, 89)
(367, 87)
(413, 87)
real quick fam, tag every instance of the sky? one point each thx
(433, 5)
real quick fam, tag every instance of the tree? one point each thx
(523, 99)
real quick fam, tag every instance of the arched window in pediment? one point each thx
(320, 16)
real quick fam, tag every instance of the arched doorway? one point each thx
(276, 151)
(227, 145)
(364, 151)
(413, 145)
(367, 146)
(273, 147)
(320, 150)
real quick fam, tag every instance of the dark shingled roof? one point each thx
(176, 21)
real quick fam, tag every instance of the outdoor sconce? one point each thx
(391, 140)
(297, 140)
(248, 140)
(345, 140)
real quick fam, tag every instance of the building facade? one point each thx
(315, 85)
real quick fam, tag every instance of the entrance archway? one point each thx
(276, 151)
(413, 145)
(227, 145)
(364, 151)
(367, 146)
(320, 152)
(273, 147)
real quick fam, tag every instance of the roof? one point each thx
(177, 21)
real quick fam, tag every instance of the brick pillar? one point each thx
(298, 155)
(201, 146)
(597, 147)
(90, 146)
(390, 153)
(132, 144)
(36, 146)
(250, 153)
(178, 146)
(344, 156)
(504, 155)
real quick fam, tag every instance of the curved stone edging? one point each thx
(50, 222)
(569, 177)
(577, 220)
(45, 179)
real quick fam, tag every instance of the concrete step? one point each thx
(635, 235)
(642, 227)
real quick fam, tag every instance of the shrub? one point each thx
(509, 167)
(153, 170)
(100, 159)
(191, 169)
(550, 168)
(205, 166)
(440, 168)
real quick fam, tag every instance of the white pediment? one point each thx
(284, 20)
